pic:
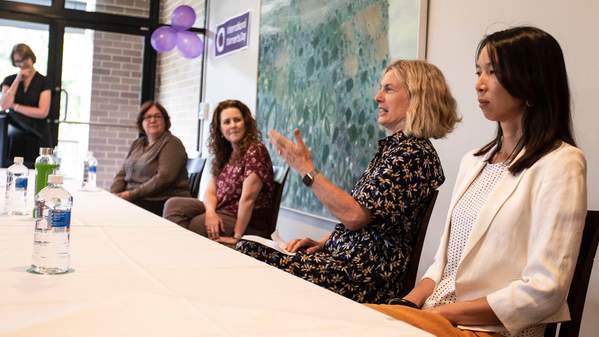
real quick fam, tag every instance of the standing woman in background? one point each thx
(515, 221)
(239, 196)
(155, 167)
(27, 94)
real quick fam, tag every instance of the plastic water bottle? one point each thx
(90, 166)
(52, 214)
(45, 165)
(17, 176)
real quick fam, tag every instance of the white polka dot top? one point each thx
(463, 217)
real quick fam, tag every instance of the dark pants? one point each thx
(22, 144)
(154, 206)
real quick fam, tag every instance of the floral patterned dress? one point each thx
(367, 265)
(229, 187)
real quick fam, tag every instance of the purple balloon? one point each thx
(189, 44)
(183, 17)
(164, 39)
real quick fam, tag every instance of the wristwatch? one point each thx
(404, 302)
(308, 179)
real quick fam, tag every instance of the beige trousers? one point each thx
(190, 213)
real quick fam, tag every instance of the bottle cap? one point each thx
(18, 160)
(55, 179)
(46, 151)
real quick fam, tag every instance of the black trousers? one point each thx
(23, 144)
(154, 206)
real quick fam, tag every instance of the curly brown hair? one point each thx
(222, 148)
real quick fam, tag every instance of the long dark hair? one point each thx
(529, 64)
(222, 148)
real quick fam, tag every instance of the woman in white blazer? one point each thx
(515, 221)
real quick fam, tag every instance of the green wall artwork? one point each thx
(319, 67)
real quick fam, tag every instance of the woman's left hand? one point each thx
(227, 240)
(125, 195)
(295, 154)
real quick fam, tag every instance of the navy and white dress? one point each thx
(367, 265)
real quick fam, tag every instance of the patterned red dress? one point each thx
(229, 184)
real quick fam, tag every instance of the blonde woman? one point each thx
(366, 254)
(514, 225)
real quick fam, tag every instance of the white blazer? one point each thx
(523, 248)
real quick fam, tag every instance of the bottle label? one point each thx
(59, 218)
(92, 169)
(85, 172)
(21, 183)
(38, 215)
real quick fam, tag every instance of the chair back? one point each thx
(280, 176)
(195, 167)
(409, 280)
(580, 280)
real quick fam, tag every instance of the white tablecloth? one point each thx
(136, 274)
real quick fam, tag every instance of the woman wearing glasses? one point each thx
(27, 95)
(154, 169)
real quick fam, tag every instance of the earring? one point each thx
(528, 104)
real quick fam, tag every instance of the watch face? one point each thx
(307, 180)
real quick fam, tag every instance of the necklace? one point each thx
(501, 157)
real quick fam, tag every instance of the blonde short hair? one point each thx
(432, 112)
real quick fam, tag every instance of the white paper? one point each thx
(276, 243)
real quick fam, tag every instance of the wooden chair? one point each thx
(195, 167)
(280, 176)
(580, 281)
(409, 280)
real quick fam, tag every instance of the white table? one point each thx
(139, 275)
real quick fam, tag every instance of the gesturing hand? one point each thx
(295, 154)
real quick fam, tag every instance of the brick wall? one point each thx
(116, 94)
(140, 8)
(116, 89)
(178, 81)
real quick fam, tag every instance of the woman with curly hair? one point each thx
(238, 199)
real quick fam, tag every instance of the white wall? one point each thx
(232, 76)
(455, 27)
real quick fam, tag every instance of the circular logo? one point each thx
(220, 40)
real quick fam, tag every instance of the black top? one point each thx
(31, 97)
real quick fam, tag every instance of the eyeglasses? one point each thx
(155, 117)
(19, 61)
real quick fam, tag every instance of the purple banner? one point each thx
(232, 35)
